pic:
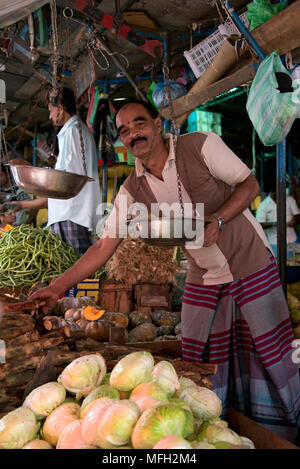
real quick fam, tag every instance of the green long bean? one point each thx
(29, 255)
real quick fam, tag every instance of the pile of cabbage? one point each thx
(138, 405)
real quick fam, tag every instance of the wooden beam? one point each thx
(188, 103)
(281, 33)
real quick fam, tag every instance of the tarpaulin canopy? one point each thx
(12, 11)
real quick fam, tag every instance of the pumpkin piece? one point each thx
(92, 313)
(97, 330)
(116, 319)
(138, 317)
(164, 318)
(143, 333)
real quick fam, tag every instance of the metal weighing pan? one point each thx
(48, 182)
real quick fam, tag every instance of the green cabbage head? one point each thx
(131, 371)
(104, 390)
(204, 403)
(155, 423)
(44, 399)
(83, 374)
(218, 432)
(17, 428)
(58, 420)
(165, 375)
(117, 424)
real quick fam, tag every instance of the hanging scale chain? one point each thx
(76, 100)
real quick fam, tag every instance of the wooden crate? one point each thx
(261, 436)
(115, 297)
(149, 297)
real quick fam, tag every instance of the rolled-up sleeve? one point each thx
(222, 162)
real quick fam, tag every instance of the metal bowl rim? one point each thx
(37, 168)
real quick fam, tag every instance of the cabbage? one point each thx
(165, 375)
(83, 374)
(17, 428)
(58, 420)
(203, 402)
(146, 402)
(93, 414)
(71, 436)
(202, 445)
(217, 432)
(155, 423)
(247, 442)
(117, 424)
(179, 402)
(106, 379)
(148, 395)
(104, 390)
(85, 447)
(184, 383)
(172, 442)
(44, 399)
(38, 444)
(131, 371)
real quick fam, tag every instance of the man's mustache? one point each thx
(138, 139)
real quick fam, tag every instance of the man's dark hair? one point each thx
(66, 98)
(146, 104)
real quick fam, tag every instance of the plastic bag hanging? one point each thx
(271, 105)
(160, 97)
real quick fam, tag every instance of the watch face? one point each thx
(221, 224)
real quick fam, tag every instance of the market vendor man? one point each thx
(72, 219)
(234, 312)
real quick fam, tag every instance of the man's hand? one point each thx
(211, 231)
(13, 206)
(49, 294)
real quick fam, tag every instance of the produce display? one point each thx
(29, 255)
(95, 322)
(139, 405)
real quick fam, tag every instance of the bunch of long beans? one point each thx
(29, 255)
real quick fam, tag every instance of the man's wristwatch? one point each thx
(220, 220)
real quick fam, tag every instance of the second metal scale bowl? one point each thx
(46, 182)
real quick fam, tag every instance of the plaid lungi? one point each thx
(76, 235)
(244, 327)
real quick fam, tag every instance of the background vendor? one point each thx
(267, 216)
(72, 219)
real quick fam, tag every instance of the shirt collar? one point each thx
(139, 167)
(67, 125)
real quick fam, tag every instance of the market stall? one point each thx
(109, 354)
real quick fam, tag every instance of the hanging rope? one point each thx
(53, 93)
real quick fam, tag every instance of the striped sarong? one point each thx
(244, 327)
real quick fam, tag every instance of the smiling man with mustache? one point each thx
(234, 312)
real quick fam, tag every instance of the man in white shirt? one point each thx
(267, 215)
(72, 219)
